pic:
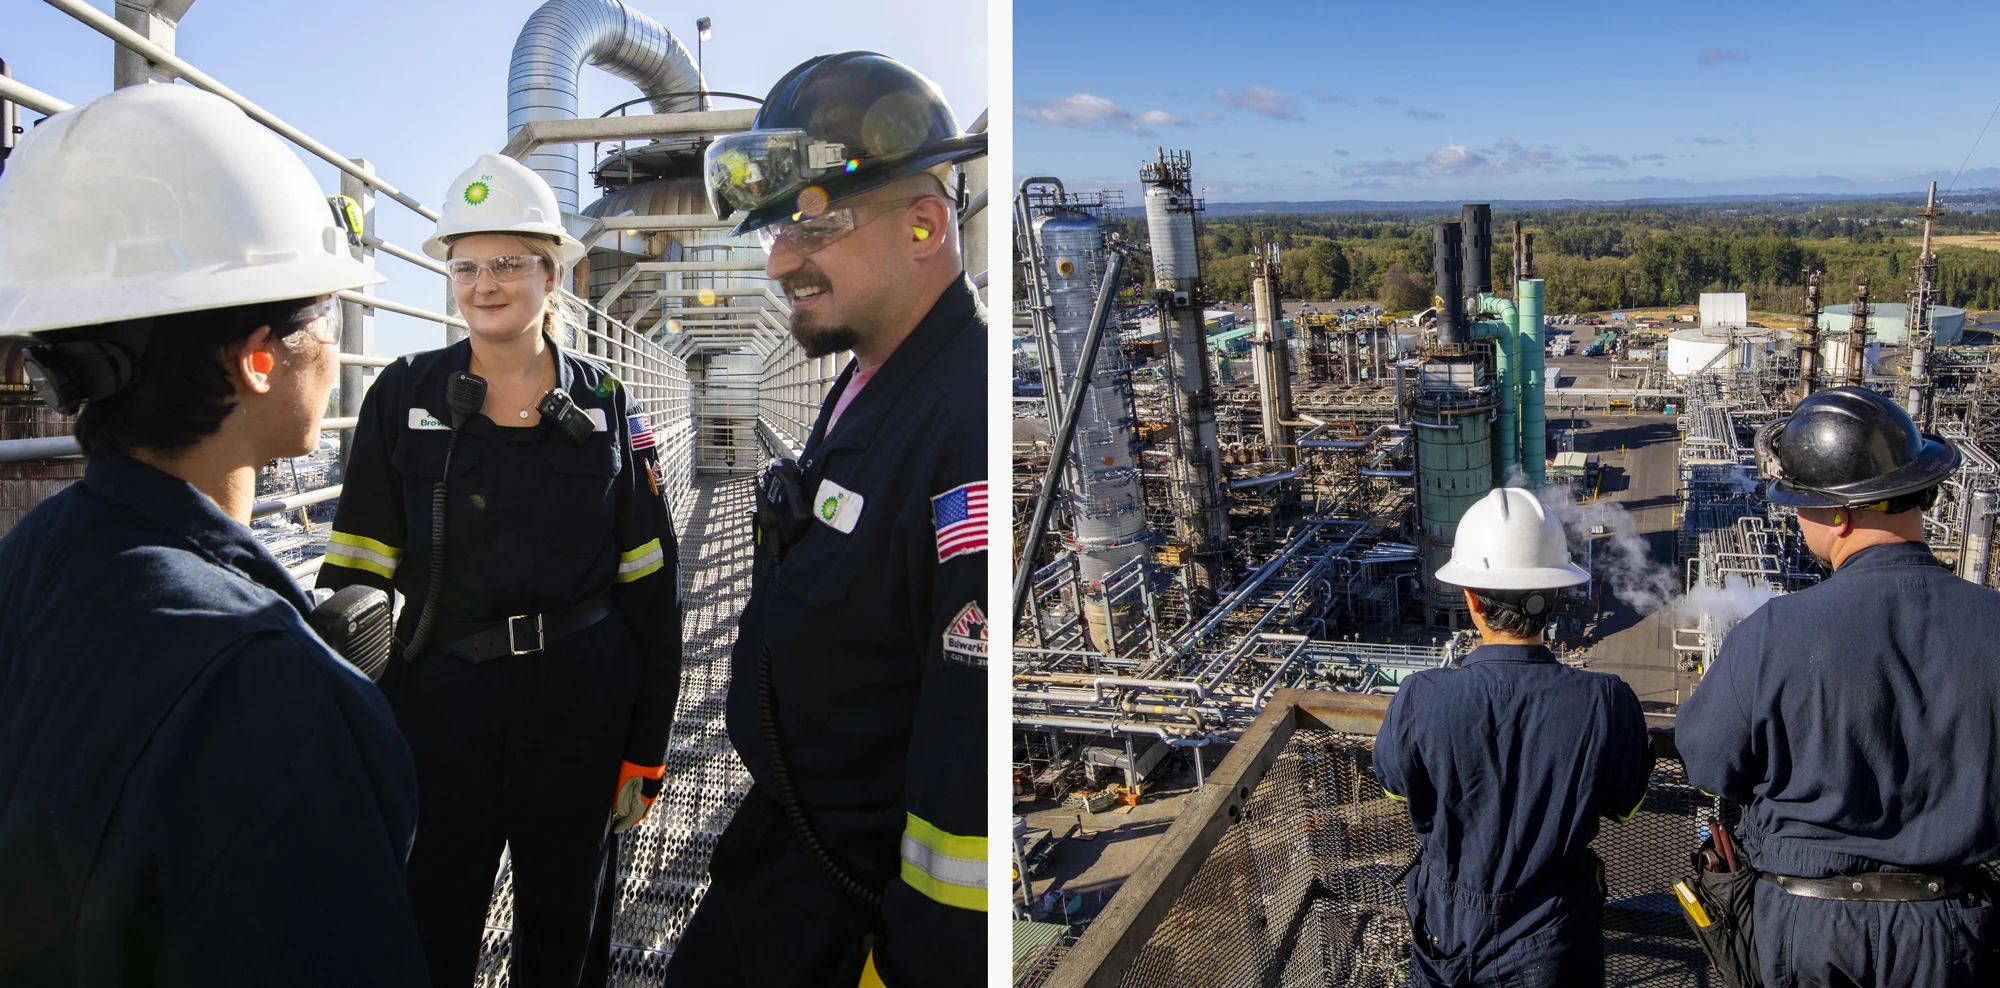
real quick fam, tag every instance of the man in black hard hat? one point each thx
(1858, 721)
(859, 679)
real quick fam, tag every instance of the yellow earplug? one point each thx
(922, 234)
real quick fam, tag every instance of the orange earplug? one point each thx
(262, 362)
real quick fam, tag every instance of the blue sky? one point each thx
(419, 87)
(1601, 100)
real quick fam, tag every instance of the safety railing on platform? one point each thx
(656, 376)
(1286, 868)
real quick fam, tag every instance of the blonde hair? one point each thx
(550, 251)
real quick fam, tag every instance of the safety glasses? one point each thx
(757, 168)
(504, 267)
(321, 320)
(810, 234)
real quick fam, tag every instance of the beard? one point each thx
(815, 339)
(818, 341)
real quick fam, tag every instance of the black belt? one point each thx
(1871, 886)
(522, 634)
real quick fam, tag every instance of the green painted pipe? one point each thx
(1505, 332)
(1534, 411)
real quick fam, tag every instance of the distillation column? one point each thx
(1200, 509)
(1451, 412)
(1973, 559)
(1109, 525)
(1271, 358)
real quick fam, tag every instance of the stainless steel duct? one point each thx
(549, 55)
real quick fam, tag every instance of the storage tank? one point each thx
(1110, 528)
(1885, 322)
(1834, 352)
(1690, 350)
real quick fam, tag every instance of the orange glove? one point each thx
(638, 786)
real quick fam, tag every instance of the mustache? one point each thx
(803, 279)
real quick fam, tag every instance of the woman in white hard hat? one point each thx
(194, 789)
(541, 659)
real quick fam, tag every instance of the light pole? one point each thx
(701, 34)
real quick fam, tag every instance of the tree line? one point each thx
(1596, 259)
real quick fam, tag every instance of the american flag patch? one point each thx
(641, 431)
(960, 515)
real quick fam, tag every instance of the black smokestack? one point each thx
(1448, 274)
(1478, 219)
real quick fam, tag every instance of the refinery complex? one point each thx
(1211, 518)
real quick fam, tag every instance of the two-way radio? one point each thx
(467, 393)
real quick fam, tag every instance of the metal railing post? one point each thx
(155, 20)
(357, 321)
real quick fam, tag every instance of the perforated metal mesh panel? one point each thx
(663, 862)
(1302, 889)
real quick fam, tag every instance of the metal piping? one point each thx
(559, 37)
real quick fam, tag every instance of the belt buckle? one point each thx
(519, 625)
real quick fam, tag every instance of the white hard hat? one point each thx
(501, 195)
(156, 200)
(1509, 541)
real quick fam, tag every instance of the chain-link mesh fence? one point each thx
(1303, 889)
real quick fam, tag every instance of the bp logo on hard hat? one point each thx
(477, 192)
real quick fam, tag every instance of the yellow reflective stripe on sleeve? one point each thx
(869, 979)
(640, 562)
(946, 867)
(1391, 795)
(358, 552)
(1633, 813)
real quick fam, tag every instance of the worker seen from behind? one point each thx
(194, 788)
(1507, 762)
(503, 487)
(858, 684)
(1858, 721)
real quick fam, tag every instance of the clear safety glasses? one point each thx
(505, 267)
(807, 234)
(321, 320)
(757, 168)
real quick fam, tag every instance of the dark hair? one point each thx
(1505, 611)
(183, 392)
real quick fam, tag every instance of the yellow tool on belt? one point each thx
(1692, 905)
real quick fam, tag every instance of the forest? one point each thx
(1608, 258)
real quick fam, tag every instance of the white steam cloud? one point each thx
(1727, 604)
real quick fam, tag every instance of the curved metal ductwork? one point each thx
(549, 55)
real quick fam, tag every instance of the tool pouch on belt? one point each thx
(1718, 902)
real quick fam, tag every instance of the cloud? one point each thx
(1506, 157)
(1386, 100)
(1209, 115)
(1373, 183)
(1310, 172)
(1600, 161)
(1085, 111)
(1339, 153)
(1261, 101)
(1423, 114)
(1248, 154)
(1710, 140)
(1716, 56)
(1655, 156)
(1325, 97)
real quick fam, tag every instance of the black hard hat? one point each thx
(837, 125)
(1849, 447)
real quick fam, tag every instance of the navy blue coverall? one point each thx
(877, 640)
(1858, 723)
(1507, 763)
(517, 749)
(194, 789)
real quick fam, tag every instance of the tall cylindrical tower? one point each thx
(1271, 357)
(1533, 338)
(1200, 509)
(1448, 283)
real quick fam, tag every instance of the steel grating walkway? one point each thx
(1302, 889)
(663, 863)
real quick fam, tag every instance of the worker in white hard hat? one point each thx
(194, 788)
(510, 491)
(1507, 762)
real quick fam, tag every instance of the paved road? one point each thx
(1639, 458)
